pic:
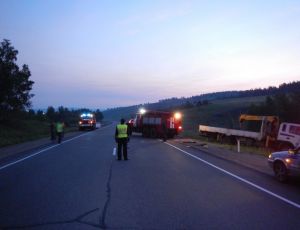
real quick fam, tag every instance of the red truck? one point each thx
(156, 123)
(87, 121)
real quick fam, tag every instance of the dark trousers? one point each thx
(122, 147)
(59, 135)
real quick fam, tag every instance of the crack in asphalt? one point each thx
(79, 219)
(108, 197)
(76, 220)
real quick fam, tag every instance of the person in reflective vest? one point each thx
(122, 138)
(59, 130)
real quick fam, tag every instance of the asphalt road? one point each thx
(80, 185)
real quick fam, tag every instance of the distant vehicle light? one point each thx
(142, 111)
(80, 122)
(86, 115)
(177, 115)
(180, 127)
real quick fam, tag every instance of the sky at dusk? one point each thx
(103, 54)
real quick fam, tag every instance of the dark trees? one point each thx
(286, 106)
(15, 85)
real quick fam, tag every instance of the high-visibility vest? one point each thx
(122, 131)
(59, 127)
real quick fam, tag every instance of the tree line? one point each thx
(207, 98)
(284, 105)
(15, 85)
(15, 93)
(69, 116)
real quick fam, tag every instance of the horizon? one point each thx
(98, 54)
(142, 104)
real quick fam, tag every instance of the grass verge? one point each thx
(25, 130)
(233, 147)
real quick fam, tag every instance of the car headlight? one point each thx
(288, 160)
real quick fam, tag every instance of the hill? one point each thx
(221, 113)
(183, 103)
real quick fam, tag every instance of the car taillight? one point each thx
(180, 127)
(80, 122)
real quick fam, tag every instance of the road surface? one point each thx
(80, 185)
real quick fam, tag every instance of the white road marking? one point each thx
(44, 150)
(41, 151)
(239, 178)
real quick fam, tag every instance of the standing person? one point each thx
(59, 130)
(122, 138)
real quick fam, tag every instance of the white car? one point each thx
(285, 164)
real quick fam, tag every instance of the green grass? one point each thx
(20, 131)
(25, 130)
(243, 149)
(220, 113)
(233, 147)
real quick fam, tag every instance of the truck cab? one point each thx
(87, 121)
(289, 135)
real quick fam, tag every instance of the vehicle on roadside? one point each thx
(156, 123)
(87, 121)
(271, 133)
(285, 164)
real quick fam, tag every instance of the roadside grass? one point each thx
(233, 147)
(19, 131)
(220, 113)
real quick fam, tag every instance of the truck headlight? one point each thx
(142, 111)
(177, 115)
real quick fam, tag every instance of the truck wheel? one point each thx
(280, 172)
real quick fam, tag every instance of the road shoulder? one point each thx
(19, 149)
(251, 160)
